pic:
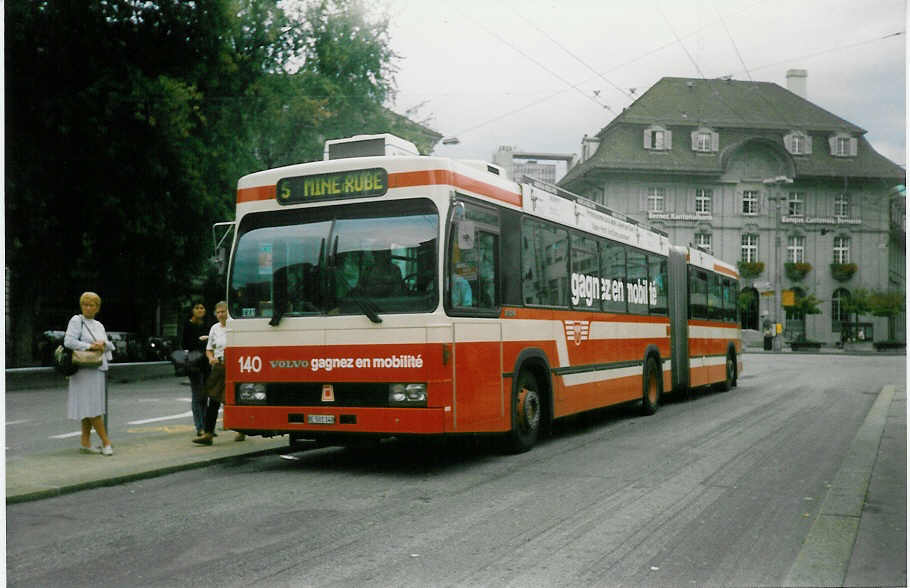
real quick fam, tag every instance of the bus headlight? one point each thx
(408, 395)
(251, 393)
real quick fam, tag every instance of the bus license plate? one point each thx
(320, 419)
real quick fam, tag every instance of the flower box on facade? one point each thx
(797, 271)
(749, 270)
(843, 271)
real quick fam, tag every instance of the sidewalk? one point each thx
(135, 457)
(859, 537)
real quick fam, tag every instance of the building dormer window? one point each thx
(798, 143)
(658, 138)
(842, 145)
(705, 140)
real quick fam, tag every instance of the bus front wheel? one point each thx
(526, 413)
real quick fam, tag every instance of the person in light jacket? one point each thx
(86, 389)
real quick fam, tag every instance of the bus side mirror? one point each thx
(219, 260)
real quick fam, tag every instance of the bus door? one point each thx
(472, 300)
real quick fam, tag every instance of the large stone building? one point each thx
(756, 173)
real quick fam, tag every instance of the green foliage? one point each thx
(807, 304)
(750, 269)
(797, 271)
(843, 271)
(888, 304)
(129, 123)
(858, 303)
(745, 299)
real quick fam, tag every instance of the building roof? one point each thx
(740, 111)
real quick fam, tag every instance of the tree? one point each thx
(888, 304)
(129, 123)
(122, 149)
(858, 303)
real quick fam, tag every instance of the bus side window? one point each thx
(729, 300)
(613, 276)
(585, 281)
(698, 294)
(510, 265)
(637, 282)
(657, 270)
(544, 261)
(715, 297)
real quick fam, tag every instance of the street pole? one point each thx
(776, 198)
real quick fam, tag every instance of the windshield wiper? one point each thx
(368, 307)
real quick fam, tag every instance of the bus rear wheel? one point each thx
(650, 395)
(730, 373)
(526, 413)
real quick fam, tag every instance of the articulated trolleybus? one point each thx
(380, 293)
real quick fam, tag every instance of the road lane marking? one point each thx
(182, 415)
(19, 422)
(65, 435)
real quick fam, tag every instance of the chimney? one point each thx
(796, 81)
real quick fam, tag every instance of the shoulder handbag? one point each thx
(63, 361)
(89, 357)
(194, 360)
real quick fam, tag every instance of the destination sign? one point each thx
(335, 185)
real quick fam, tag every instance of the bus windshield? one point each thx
(350, 259)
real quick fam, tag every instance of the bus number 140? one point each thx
(250, 364)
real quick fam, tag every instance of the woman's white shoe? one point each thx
(107, 450)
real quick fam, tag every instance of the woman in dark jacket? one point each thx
(195, 338)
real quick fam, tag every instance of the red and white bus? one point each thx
(375, 295)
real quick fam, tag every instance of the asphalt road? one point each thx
(720, 490)
(36, 418)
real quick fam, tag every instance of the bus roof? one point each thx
(473, 178)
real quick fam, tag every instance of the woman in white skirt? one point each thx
(85, 398)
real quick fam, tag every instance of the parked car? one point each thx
(45, 343)
(127, 346)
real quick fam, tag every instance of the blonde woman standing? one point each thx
(86, 390)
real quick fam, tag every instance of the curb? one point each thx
(144, 475)
(825, 554)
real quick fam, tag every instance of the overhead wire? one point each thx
(575, 86)
(677, 40)
(537, 63)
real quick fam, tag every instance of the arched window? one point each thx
(839, 314)
(748, 300)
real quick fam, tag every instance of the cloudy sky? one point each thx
(540, 74)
